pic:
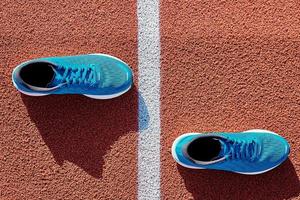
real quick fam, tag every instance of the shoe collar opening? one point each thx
(35, 88)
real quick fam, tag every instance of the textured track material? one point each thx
(224, 67)
(230, 67)
(67, 147)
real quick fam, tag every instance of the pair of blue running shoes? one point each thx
(101, 76)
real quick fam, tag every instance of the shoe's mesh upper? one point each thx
(92, 74)
(112, 76)
(272, 149)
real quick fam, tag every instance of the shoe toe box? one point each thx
(275, 149)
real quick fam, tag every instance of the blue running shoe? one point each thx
(250, 152)
(97, 76)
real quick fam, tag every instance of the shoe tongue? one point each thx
(57, 77)
(223, 150)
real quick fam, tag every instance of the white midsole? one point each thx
(175, 143)
(87, 95)
(110, 56)
(107, 96)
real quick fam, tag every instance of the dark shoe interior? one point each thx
(37, 74)
(204, 149)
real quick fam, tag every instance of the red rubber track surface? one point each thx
(66, 147)
(226, 66)
(230, 66)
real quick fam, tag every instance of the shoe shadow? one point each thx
(81, 130)
(280, 183)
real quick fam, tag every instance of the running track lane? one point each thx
(230, 67)
(206, 45)
(149, 100)
(67, 147)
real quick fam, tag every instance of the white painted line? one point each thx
(149, 99)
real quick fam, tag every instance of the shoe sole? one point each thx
(102, 97)
(175, 143)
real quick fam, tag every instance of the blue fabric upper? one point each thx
(270, 151)
(92, 74)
